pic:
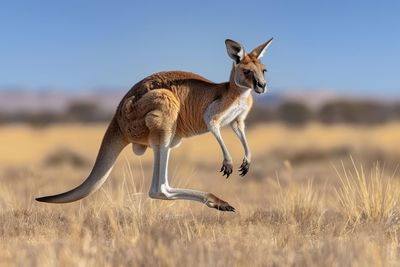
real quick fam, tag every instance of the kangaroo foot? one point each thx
(219, 204)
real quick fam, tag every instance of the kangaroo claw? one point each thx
(244, 168)
(226, 169)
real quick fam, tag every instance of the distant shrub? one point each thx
(85, 111)
(295, 113)
(395, 111)
(3, 119)
(353, 112)
(259, 115)
(36, 119)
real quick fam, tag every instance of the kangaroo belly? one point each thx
(188, 126)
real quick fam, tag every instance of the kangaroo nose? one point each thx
(261, 85)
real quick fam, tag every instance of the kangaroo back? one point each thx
(111, 146)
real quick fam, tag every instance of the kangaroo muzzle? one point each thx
(259, 87)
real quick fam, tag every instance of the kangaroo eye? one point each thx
(264, 70)
(246, 72)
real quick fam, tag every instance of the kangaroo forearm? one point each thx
(225, 152)
(238, 129)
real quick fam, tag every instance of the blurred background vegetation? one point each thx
(291, 112)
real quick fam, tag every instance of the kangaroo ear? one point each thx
(259, 50)
(235, 50)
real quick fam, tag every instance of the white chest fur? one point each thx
(232, 112)
(235, 110)
(228, 115)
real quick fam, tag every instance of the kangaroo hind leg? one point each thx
(161, 123)
(161, 189)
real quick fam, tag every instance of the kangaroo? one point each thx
(165, 107)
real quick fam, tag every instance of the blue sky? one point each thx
(348, 46)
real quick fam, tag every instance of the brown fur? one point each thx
(181, 97)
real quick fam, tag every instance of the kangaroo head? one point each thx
(248, 72)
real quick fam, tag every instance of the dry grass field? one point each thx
(314, 196)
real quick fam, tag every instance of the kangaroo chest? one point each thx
(234, 110)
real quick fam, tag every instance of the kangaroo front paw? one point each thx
(226, 168)
(219, 204)
(244, 168)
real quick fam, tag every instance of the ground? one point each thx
(315, 196)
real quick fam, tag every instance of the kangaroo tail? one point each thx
(112, 145)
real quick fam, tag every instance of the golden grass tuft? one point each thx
(367, 198)
(299, 204)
